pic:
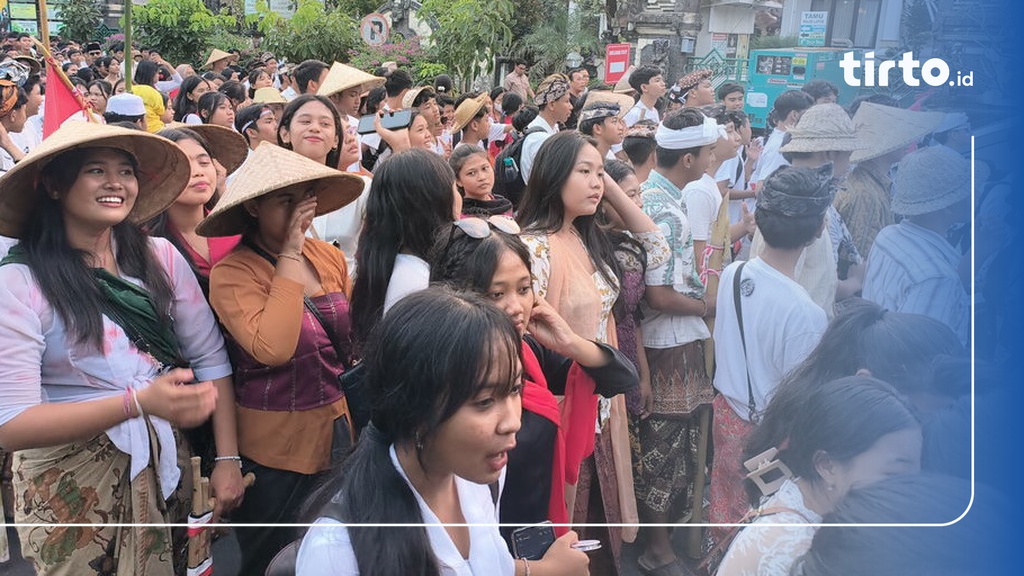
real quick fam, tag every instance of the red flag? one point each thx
(61, 104)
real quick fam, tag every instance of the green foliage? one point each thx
(425, 71)
(558, 33)
(773, 42)
(81, 18)
(468, 34)
(180, 29)
(355, 8)
(408, 54)
(313, 32)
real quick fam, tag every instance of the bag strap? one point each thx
(308, 303)
(736, 279)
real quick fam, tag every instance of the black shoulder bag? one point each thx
(353, 376)
(751, 407)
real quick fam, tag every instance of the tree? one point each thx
(468, 34)
(80, 17)
(313, 32)
(179, 29)
(558, 33)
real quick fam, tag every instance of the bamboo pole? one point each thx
(129, 59)
(44, 24)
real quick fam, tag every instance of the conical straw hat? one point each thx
(468, 110)
(273, 168)
(227, 146)
(341, 77)
(622, 86)
(268, 96)
(217, 55)
(824, 128)
(163, 171)
(886, 129)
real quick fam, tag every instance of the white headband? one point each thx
(691, 137)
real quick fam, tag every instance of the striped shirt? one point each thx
(912, 269)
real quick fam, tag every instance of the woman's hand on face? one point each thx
(550, 329)
(227, 486)
(298, 223)
(561, 558)
(171, 398)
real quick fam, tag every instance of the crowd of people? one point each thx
(611, 308)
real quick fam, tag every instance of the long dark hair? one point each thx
(425, 360)
(183, 105)
(146, 73)
(161, 226)
(410, 198)
(468, 263)
(285, 122)
(62, 272)
(623, 243)
(542, 211)
(208, 104)
(842, 418)
(896, 348)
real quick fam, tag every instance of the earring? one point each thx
(419, 442)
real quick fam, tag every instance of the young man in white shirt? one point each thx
(553, 100)
(785, 114)
(602, 121)
(473, 119)
(772, 328)
(650, 85)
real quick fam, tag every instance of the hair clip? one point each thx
(767, 472)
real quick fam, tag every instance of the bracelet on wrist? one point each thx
(126, 403)
(228, 459)
(135, 399)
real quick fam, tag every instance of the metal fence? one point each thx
(725, 69)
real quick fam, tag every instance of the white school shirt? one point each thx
(410, 274)
(771, 159)
(781, 326)
(326, 549)
(702, 200)
(533, 143)
(342, 227)
(640, 112)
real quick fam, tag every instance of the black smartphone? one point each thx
(532, 542)
(390, 120)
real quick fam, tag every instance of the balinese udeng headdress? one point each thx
(690, 137)
(8, 97)
(551, 88)
(774, 194)
(13, 74)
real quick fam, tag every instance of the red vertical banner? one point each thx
(616, 61)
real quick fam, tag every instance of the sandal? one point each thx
(673, 568)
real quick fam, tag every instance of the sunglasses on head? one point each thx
(480, 228)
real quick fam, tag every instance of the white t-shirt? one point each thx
(771, 159)
(342, 227)
(781, 325)
(326, 549)
(702, 200)
(532, 144)
(410, 274)
(639, 112)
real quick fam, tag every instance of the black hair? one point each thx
(410, 198)
(467, 263)
(841, 546)
(292, 109)
(639, 148)
(445, 99)
(677, 120)
(423, 97)
(737, 117)
(183, 105)
(518, 61)
(254, 75)
(235, 91)
(511, 103)
(729, 88)
(586, 127)
(104, 87)
(61, 271)
(577, 70)
(789, 101)
(86, 73)
(396, 82)
(618, 170)
(211, 76)
(542, 210)
(248, 115)
(622, 242)
(105, 61)
(145, 73)
(642, 76)
(790, 232)
(524, 117)
(435, 351)
(842, 418)
(497, 91)
(374, 98)
(443, 84)
(208, 104)
(114, 118)
(819, 88)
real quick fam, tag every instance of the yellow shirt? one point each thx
(154, 102)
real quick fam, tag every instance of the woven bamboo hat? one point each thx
(930, 179)
(341, 77)
(466, 111)
(163, 171)
(824, 128)
(622, 86)
(625, 102)
(273, 168)
(885, 129)
(413, 93)
(217, 55)
(268, 96)
(227, 146)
